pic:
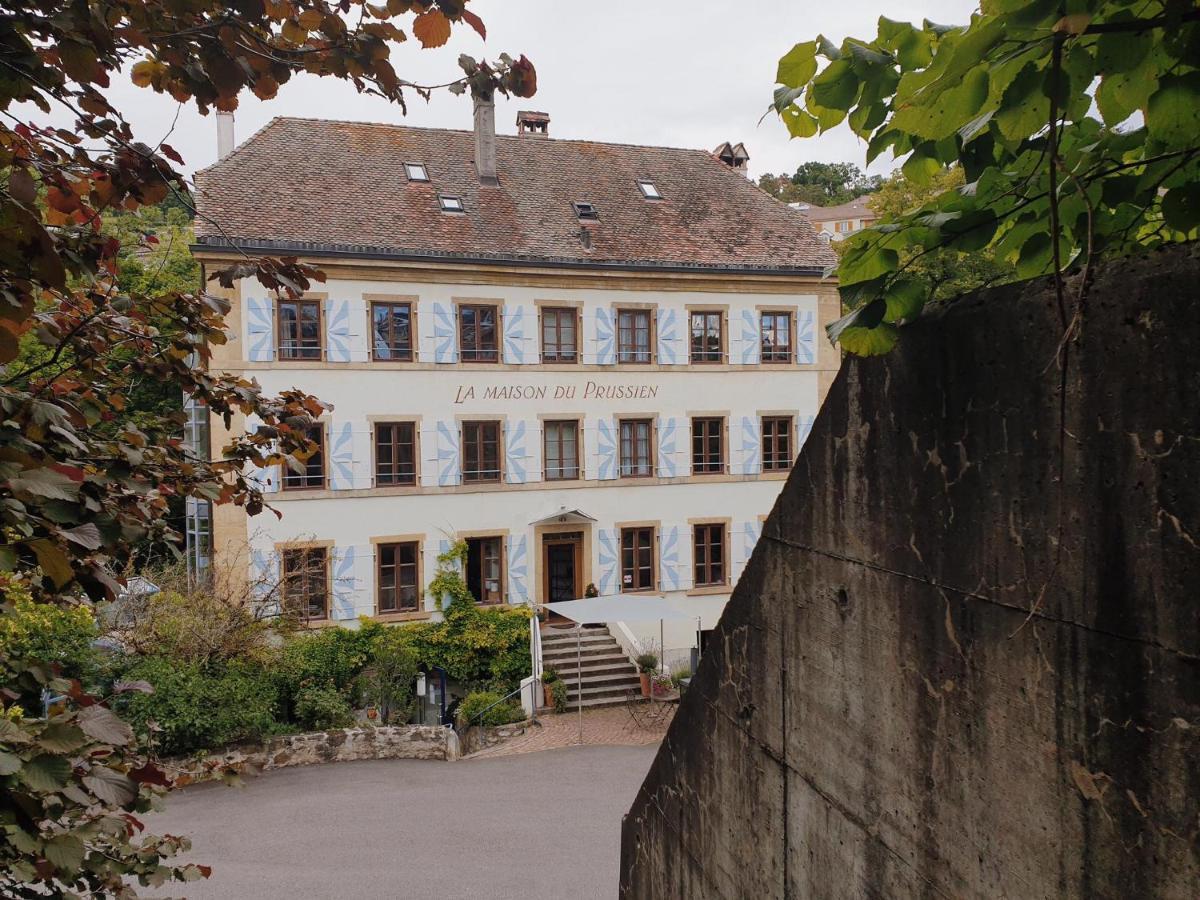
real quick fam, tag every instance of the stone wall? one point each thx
(339, 745)
(964, 659)
(477, 737)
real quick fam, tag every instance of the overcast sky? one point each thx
(680, 73)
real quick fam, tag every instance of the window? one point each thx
(312, 470)
(450, 203)
(708, 555)
(635, 448)
(706, 337)
(396, 577)
(561, 441)
(776, 337)
(649, 191)
(478, 333)
(198, 533)
(585, 210)
(776, 443)
(559, 336)
(391, 331)
(306, 582)
(485, 569)
(300, 329)
(708, 441)
(415, 172)
(633, 336)
(637, 559)
(481, 451)
(395, 453)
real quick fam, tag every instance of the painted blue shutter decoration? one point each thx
(516, 326)
(516, 458)
(268, 477)
(449, 467)
(610, 557)
(260, 329)
(668, 561)
(804, 427)
(357, 330)
(668, 439)
(337, 330)
(672, 348)
(518, 570)
(750, 533)
(445, 347)
(606, 341)
(606, 450)
(751, 338)
(751, 444)
(806, 342)
(345, 584)
(264, 574)
(341, 456)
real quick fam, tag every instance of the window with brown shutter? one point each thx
(479, 333)
(708, 443)
(396, 570)
(776, 443)
(395, 453)
(708, 555)
(636, 459)
(561, 450)
(299, 329)
(305, 586)
(637, 559)
(707, 338)
(560, 335)
(776, 337)
(312, 470)
(481, 451)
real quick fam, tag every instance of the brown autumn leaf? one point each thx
(475, 22)
(431, 28)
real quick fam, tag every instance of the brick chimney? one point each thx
(734, 156)
(533, 124)
(485, 140)
(225, 140)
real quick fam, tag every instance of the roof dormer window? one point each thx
(415, 172)
(451, 204)
(585, 211)
(649, 191)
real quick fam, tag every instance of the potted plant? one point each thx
(591, 590)
(372, 712)
(647, 665)
(549, 678)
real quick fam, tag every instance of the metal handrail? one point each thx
(491, 706)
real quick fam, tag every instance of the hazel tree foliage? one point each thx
(80, 482)
(1076, 124)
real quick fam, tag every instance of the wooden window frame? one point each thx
(405, 356)
(557, 311)
(635, 585)
(703, 465)
(702, 555)
(478, 478)
(771, 358)
(705, 358)
(460, 308)
(299, 355)
(773, 442)
(394, 444)
(546, 424)
(399, 567)
(289, 480)
(307, 576)
(499, 538)
(620, 346)
(651, 461)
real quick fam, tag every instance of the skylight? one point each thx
(450, 204)
(649, 191)
(585, 210)
(415, 172)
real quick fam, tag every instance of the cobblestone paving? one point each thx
(607, 726)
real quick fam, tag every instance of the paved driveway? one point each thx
(533, 826)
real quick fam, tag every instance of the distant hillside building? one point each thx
(837, 222)
(592, 362)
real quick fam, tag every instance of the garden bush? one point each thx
(500, 714)
(389, 680)
(477, 645)
(320, 707)
(193, 708)
(332, 658)
(47, 634)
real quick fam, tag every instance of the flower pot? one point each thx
(645, 677)
(372, 713)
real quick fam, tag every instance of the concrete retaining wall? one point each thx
(964, 660)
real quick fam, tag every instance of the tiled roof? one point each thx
(326, 186)
(856, 208)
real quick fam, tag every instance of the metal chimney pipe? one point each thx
(485, 140)
(224, 134)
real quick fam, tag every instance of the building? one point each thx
(593, 362)
(838, 222)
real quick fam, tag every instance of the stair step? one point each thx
(615, 689)
(583, 641)
(595, 680)
(619, 667)
(561, 656)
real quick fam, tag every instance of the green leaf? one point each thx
(102, 724)
(59, 737)
(920, 169)
(827, 48)
(866, 316)
(1023, 109)
(866, 262)
(1181, 206)
(870, 341)
(110, 785)
(1122, 51)
(800, 124)
(1173, 112)
(46, 772)
(836, 86)
(905, 299)
(1119, 96)
(53, 561)
(10, 763)
(1035, 255)
(798, 65)
(65, 853)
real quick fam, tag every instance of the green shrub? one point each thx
(197, 709)
(647, 663)
(332, 658)
(47, 634)
(558, 695)
(477, 645)
(499, 714)
(389, 680)
(321, 707)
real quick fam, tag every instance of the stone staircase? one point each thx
(607, 674)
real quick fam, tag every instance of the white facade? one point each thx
(351, 514)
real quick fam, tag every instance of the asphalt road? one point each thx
(532, 826)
